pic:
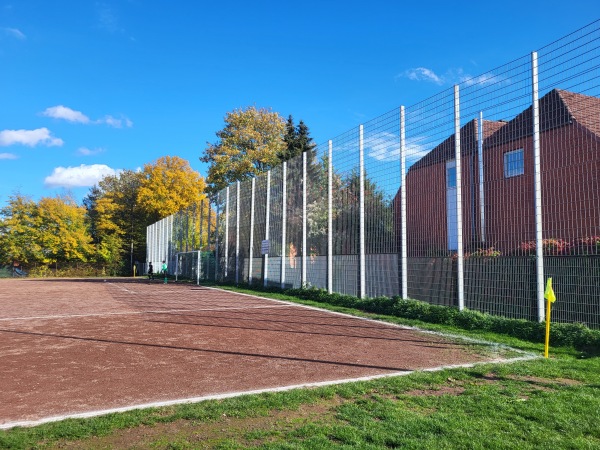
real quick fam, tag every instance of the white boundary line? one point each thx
(85, 415)
(135, 313)
(526, 357)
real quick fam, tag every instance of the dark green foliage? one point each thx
(297, 140)
(573, 335)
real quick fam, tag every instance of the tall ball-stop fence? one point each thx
(470, 198)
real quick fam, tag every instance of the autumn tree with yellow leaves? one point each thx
(250, 143)
(121, 206)
(169, 185)
(51, 230)
(109, 230)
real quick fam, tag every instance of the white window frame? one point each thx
(510, 172)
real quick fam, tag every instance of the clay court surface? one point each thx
(69, 347)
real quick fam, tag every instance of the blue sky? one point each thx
(88, 88)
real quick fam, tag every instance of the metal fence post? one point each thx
(159, 234)
(171, 248)
(362, 264)
(481, 178)
(330, 219)
(537, 179)
(459, 218)
(283, 221)
(267, 217)
(226, 238)
(237, 235)
(403, 240)
(207, 239)
(200, 237)
(148, 237)
(251, 249)
(217, 237)
(304, 249)
(187, 229)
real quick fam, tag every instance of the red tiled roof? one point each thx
(584, 109)
(557, 108)
(468, 143)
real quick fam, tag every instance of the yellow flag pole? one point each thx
(547, 346)
(550, 297)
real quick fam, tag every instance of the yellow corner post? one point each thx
(550, 298)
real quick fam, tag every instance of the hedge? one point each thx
(573, 335)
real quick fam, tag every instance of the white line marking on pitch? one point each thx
(31, 423)
(134, 313)
(527, 357)
(121, 287)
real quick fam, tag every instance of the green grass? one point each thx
(552, 403)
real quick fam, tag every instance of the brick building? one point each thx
(498, 192)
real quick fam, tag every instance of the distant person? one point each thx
(150, 271)
(164, 270)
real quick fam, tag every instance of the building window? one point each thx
(450, 174)
(514, 163)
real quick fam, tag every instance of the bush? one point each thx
(472, 320)
(75, 270)
(573, 335)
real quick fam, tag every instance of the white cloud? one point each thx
(40, 136)
(81, 176)
(63, 112)
(116, 123)
(486, 78)
(84, 151)
(383, 147)
(71, 115)
(414, 148)
(108, 19)
(423, 74)
(386, 147)
(15, 33)
(452, 76)
(8, 156)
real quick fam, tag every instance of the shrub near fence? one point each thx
(571, 335)
(510, 285)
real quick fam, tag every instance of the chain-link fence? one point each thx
(471, 198)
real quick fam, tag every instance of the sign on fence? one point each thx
(265, 246)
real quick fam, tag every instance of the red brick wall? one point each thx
(426, 207)
(570, 159)
(570, 163)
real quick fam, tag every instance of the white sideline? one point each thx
(32, 423)
(133, 313)
(526, 357)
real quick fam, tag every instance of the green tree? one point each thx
(250, 143)
(297, 140)
(118, 223)
(379, 217)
